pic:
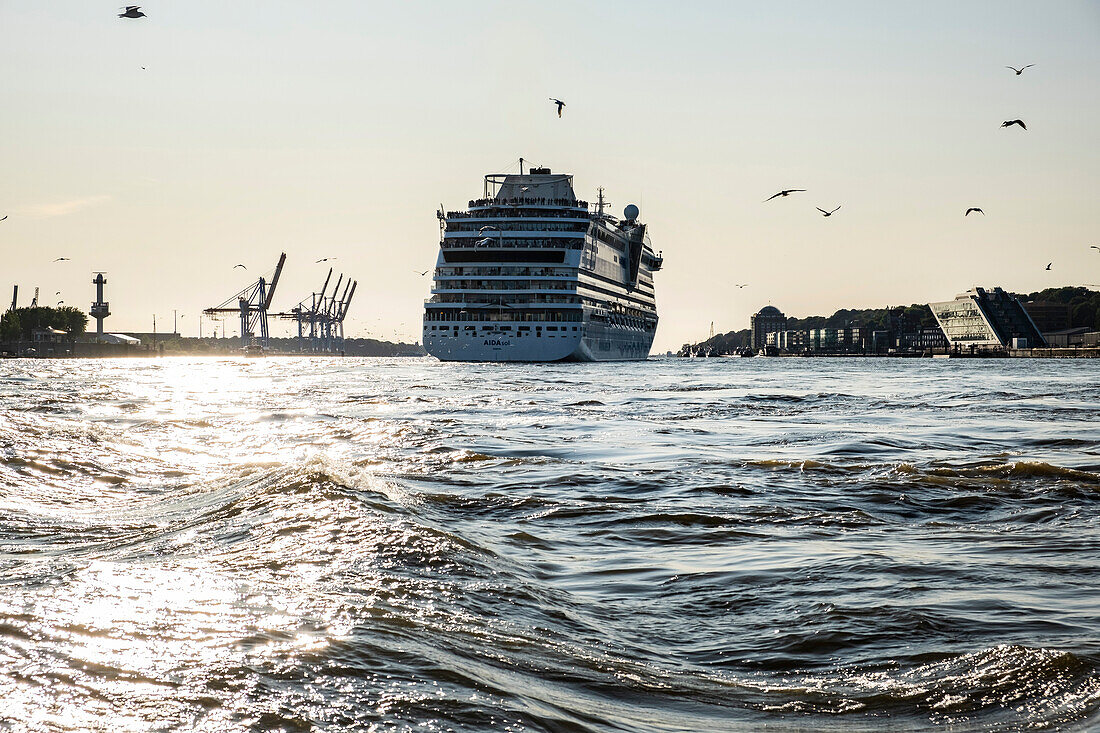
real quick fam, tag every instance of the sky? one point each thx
(337, 130)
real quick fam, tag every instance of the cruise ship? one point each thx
(530, 273)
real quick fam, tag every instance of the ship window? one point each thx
(551, 328)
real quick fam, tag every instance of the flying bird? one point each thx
(559, 103)
(240, 266)
(974, 208)
(788, 192)
(61, 259)
(484, 241)
(5, 216)
(1010, 123)
(422, 274)
(827, 213)
(324, 259)
(1019, 70)
(1049, 264)
(132, 11)
(740, 285)
(1091, 246)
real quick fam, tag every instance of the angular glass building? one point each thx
(986, 318)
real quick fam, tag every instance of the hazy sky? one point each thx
(338, 129)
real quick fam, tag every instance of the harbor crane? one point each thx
(252, 305)
(322, 316)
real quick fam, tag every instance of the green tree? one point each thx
(10, 330)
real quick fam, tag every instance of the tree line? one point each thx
(20, 324)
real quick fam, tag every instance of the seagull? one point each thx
(1010, 123)
(484, 241)
(559, 103)
(132, 11)
(974, 208)
(827, 213)
(1049, 264)
(740, 285)
(1019, 70)
(240, 266)
(5, 216)
(422, 274)
(788, 192)
(324, 259)
(61, 259)
(487, 227)
(1091, 246)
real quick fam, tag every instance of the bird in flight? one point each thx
(484, 241)
(788, 192)
(132, 11)
(324, 259)
(1010, 123)
(240, 266)
(559, 103)
(740, 285)
(1049, 264)
(61, 259)
(827, 213)
(422, 274)
(974, 208)
(1091, 246)
(5, 216)
(1019, 70)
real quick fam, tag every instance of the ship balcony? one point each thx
(469, 299)
(504, 286)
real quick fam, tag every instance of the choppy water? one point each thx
(797, 544)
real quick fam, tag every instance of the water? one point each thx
(791, 544)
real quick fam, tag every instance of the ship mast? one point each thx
(599, 201)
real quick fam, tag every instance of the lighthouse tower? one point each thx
(100, 308)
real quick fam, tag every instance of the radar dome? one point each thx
(630, 212)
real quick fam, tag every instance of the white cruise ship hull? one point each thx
(597, 342)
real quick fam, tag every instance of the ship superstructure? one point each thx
(530, 273)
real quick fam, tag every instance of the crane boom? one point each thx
(275, 280)
(347, 301)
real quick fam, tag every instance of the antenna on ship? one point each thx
(521, 166)
(599, 201)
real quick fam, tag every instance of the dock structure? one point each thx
(320, 317)
(252, 304)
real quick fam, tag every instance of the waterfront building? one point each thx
(1080, 336)
(923, 338)
(983, 318)
(789, 341)
(1049, 316)
(852, 338)
(768, 319)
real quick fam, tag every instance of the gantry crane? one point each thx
(252, 305)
